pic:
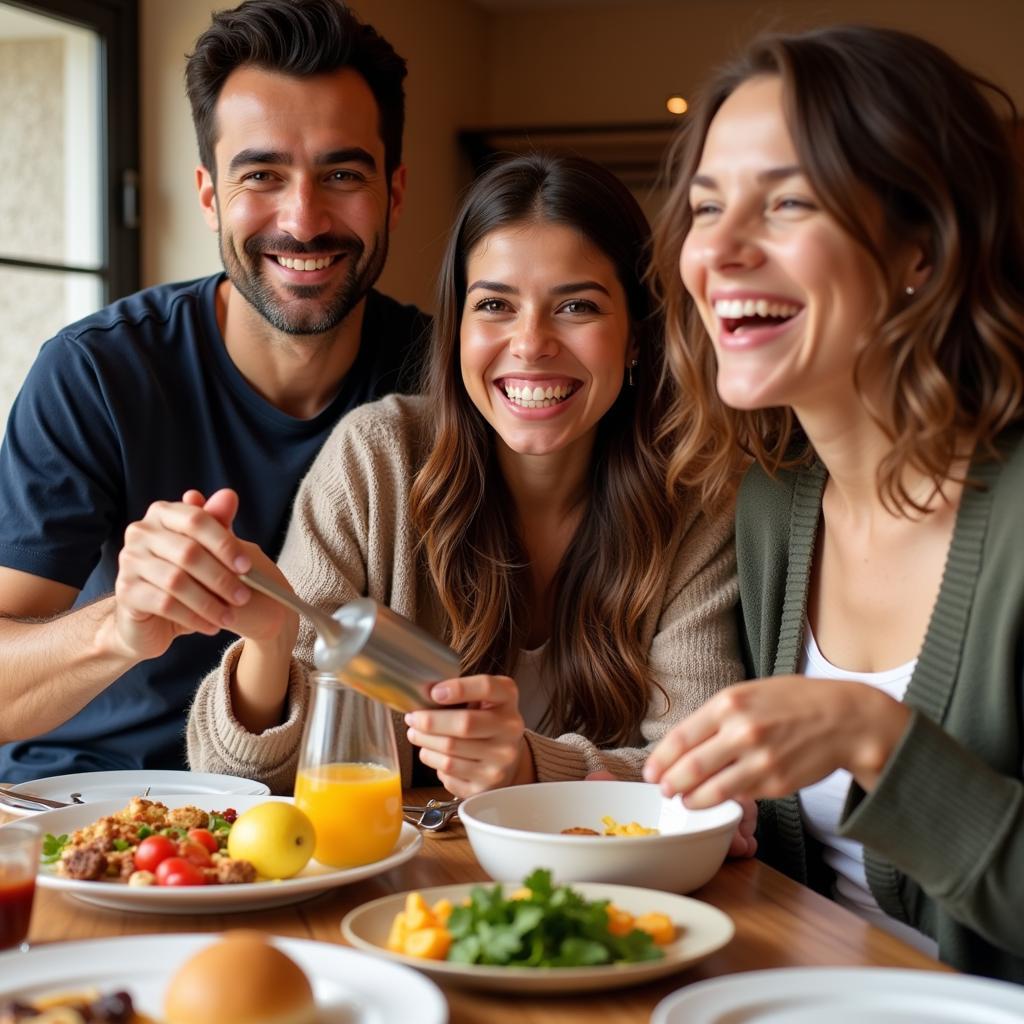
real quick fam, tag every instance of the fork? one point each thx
(29, 801)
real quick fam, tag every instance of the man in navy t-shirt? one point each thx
(229, 381)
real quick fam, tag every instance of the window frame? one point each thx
(116, 22)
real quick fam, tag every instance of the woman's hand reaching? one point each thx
(771, 737)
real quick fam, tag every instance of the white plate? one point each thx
(200, 899)
(703, 930)
(349, 987)
(843, 995)
(124, 785)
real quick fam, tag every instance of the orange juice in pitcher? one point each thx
(356, 809)
(347, 779)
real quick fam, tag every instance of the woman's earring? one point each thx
(910, 289)
(629, 372)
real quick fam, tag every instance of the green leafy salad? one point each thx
(552, 926)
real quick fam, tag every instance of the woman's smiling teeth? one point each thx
(738, 313)
(305, 264)
(535, 396)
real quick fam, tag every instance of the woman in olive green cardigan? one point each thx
(848, 227)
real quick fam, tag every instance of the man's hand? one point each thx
(178, 574)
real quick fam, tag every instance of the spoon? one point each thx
(433, 816)
(370, 648)
(327, 629)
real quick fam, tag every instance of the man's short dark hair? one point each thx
(294, 37)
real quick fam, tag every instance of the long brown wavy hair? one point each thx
(614, 566)
(880, 109)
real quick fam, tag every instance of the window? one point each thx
(69, 206)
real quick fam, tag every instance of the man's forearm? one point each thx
(49, 670)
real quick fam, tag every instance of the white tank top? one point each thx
(822, 804)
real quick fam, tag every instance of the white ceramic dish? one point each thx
(516, 829)
(123, 785)
(203, 899)
(349, 987)
(843, 995)
(703, 930)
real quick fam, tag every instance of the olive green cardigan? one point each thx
(943, 831)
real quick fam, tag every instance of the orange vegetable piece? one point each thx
(417, 914)
(658, 926)
(396, 937)
(620, 922)
(442, 911)
(428, 943)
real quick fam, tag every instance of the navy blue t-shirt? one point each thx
(135, 404)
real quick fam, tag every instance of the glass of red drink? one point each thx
(19, 859)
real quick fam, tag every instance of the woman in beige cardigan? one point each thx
(517, 508)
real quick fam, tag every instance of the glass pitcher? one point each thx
(348, 779)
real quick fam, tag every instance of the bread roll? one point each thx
(242, 979)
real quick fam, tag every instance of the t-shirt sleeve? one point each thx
(60, 478)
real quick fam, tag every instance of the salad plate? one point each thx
(843, 995)
(123, 785)
(349, 987)
(313, 879)
(701, 931)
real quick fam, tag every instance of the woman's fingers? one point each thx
(494, 710)
(744, 843)
(699, 771)
(473, 747)
(476, 689)
(490, 749)
(683, 738)
(774, 736)
(464, 723)
(489, 771)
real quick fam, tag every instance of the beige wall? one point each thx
(591, 63)
(469, 66)
(446, 90)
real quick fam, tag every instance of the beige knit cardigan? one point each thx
(350, 535)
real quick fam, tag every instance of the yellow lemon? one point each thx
(277, 838)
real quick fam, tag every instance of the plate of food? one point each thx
(538, 936)
(843, 995)
(207, 979)
(123, 785)
(148, 855)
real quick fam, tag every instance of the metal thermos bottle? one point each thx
(385, 656)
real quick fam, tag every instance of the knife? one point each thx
(28, 801)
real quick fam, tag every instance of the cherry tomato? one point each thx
(152, 851)
(204, 837)
(178, 871)
(229, 815)
(194, 853)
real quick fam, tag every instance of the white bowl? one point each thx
(514, 830)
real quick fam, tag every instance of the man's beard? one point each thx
(250, 278)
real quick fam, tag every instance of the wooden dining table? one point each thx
(779, 923)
